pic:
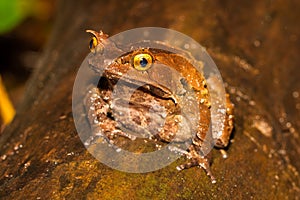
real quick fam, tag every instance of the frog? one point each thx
(158, 80)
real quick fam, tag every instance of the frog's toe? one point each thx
(95, 140)
(118, 132)
(186, 166)
(224, 153)
(202, 162)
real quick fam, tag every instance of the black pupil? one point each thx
(143, 62)
(91, 44)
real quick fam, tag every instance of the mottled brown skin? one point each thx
(107, 119)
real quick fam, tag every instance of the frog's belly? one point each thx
(145, 115)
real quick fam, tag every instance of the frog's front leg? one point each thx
(98, 111)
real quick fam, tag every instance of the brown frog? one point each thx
(158, 92)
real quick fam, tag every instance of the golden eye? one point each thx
(93, 44)
(142, 61)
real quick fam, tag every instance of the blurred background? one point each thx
(24, 28)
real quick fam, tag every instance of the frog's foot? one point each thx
(196, 160)
(101, 139)
(98, 136)
(95, 139)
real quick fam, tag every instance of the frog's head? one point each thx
(141, 67)
(153, 66)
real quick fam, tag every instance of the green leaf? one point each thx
(12, 12)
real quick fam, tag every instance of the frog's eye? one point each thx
(93, 43)
(142, 61)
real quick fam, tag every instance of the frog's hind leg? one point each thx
(197, 160)
(98, 115)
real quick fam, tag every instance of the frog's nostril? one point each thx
(184, 82)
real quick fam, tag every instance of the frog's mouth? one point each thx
(114, 79)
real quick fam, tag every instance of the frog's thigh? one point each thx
(168, 132)
(223, 140)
